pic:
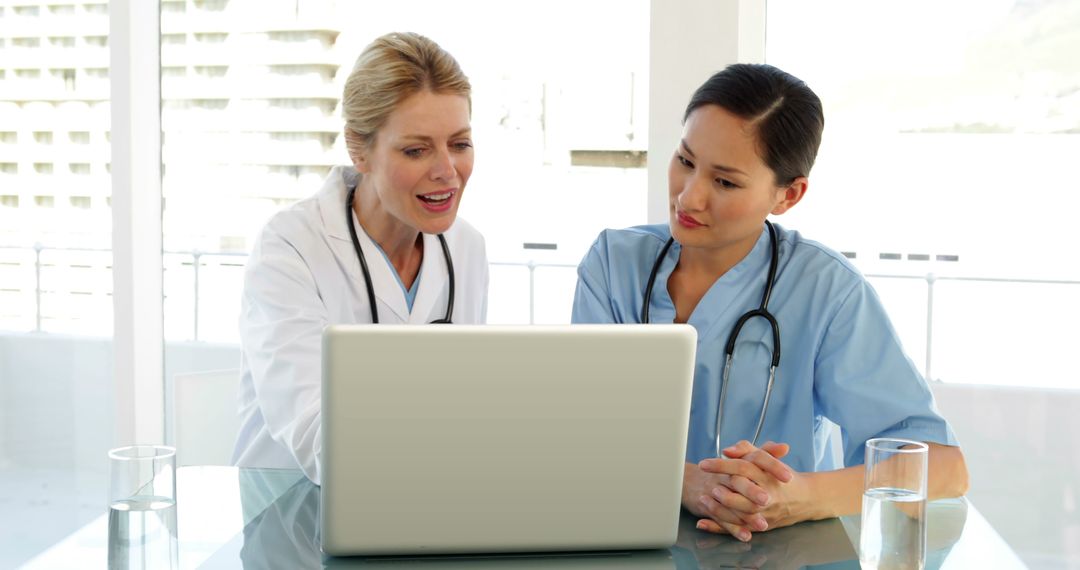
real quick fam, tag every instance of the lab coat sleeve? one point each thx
(865, 383)
(281, 334)
(592, 298)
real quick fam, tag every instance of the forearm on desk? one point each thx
(840, 492)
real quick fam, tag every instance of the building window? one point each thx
(9, 137)
(44, 201)
(65, 75)
(211, 38)
(43, 167)
(62, 41)
(173, 7)
(96, 41)
(9, 168)
(43, 137)
(210, 5)
(79, 137)
(9, 201)
(26, 42)
(80, 168)
(211, 70)
(80, 202)
(62, 9)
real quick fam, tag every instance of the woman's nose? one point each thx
(443, 168)
(694, 195)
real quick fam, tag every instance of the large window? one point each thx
(946, 172)
(251, 122)
(56, 394)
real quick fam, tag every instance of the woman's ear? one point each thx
(358, 152)
(790, 195)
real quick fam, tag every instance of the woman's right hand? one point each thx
(731, 502)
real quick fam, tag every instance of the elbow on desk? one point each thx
(952, 476)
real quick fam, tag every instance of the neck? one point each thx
(713, 262)
(403, 244)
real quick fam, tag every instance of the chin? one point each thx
(681, 234)
(690, 238)
(438, 225)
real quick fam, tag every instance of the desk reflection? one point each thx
(286, 535)
(821, 544)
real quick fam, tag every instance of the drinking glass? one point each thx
(142, 508)
(893, 534)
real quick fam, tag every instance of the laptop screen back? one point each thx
(463, 439)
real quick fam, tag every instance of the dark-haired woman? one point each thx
(751, 134)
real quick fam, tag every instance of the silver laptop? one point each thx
(473, 439)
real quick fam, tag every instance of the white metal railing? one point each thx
(196, 263)
(930, 279)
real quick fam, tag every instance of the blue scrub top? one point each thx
(841, 361)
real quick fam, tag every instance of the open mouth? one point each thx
(437, 201)
(437, 198)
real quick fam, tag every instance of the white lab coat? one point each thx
(303, 274)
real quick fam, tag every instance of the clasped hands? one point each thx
(746, 490)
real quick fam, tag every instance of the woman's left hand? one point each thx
(787, 499)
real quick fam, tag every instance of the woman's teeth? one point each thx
(437, 197)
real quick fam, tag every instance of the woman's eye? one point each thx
(463, 145)
(414, 152)
(684, 162)
(726, 183)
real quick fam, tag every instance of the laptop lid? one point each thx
(467, 439)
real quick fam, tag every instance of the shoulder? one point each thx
(296, 218)
(302, 226)
(323, 212)
(628, 245)
(810, 257)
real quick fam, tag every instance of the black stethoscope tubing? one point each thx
(367, 273)
(729, 349)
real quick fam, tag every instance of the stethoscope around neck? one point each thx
(729, 350)
(367, 273)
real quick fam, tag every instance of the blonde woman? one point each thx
(380, 242)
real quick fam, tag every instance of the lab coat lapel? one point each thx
(434, 287)
(387, 291)
(388, 294)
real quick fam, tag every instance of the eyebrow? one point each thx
(720, 167)
(427, 139)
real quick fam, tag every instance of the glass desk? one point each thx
(257, 518)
